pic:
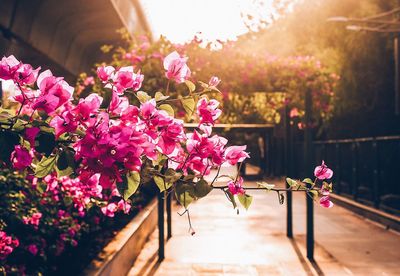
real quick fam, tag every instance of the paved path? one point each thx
(254, 242)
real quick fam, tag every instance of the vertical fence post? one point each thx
(169, 215)
(161, 241)
(288, 171)
(376, 186)
(307, 168)
(337, 167)
(354, 181)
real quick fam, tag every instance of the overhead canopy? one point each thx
(65, 35)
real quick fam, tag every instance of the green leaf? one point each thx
(66, 172)
(291, 182)
(132, 185)
(267, 186)
(45, 166)
(185, 199)
(143, 96)
(313, 193)
(245, 200)
(161, 183)
(19, 125)
(308, 181)
(160, 97)
(24, 143)
(231, 198)
(167, 108)
(202, 188)
(172, 176)
(190, 85)
(189, 105)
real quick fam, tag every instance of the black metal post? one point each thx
(308, 168)
(169, 215)
(396, 46)
(287, 145)
(376, 190)
(161, 241)
(354, 181)
(338, 168)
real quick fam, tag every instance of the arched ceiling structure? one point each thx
(65, 35)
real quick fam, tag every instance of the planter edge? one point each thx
(118, 256)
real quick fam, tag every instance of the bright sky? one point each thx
(180, 20)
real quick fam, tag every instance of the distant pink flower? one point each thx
(236, 187)
(235, 154)
(323, 172)
(294, 112)
(7, 245)
(33, 249)
(21, 158)
(88, 81)
(214, 81)
(105, 73)
(176, 67)
(33, 220)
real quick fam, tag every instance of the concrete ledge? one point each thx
(118, 256)
(388, 220)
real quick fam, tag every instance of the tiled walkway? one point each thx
(254, 242)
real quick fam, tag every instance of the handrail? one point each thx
(230, 126)
(355, 140)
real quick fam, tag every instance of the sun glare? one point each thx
(180, 20)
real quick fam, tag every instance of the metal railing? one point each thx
(365, 169)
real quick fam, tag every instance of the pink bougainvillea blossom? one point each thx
(21, 158)
(325, 201)
(208, 111)
(214, 81)
(105, 73)
(323, 172)
(235, 154)
(176, 67)
(7, 245)
(236, 187)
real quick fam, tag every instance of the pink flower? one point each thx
(125, 78)
(294, 112)
(8, 67)
(170, 136)
(7, 245)
(26, 74)
(31, 133)
(21, 158)
(236, 187)
(109, 210)
(124, 206)
(64, 123)
(176, 67)
(105, 73)
(33, 249)
(208, 111)
(214, 81)
(323, 172)
(235, 154)
(55, 92)
(325, 201)
(88, 81)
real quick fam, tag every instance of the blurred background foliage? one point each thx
(364, 99)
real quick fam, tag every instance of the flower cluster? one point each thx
(93, 152)
(322, 172)
(7, 245)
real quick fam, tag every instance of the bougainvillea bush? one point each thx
(254, 88)
(66, 161)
